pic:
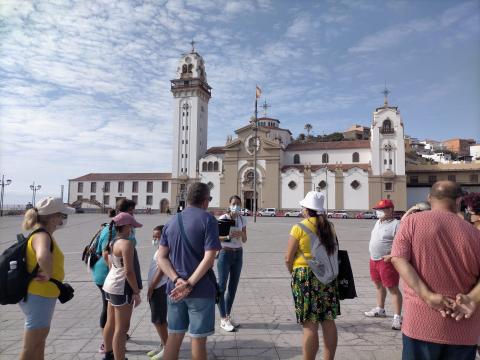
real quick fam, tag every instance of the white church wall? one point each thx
(291, 197)
(314, 157)
(355, 199)
(329, 191)
(214, 178)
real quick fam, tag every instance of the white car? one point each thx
(293, 213)
(338, 214)
(268, 212)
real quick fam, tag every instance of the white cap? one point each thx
(314, 201)
(51, 205)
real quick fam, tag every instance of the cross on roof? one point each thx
(385, 93)
(265, 107)
(193, 45)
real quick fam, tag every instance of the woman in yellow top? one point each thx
(315, 303)
(50, 214)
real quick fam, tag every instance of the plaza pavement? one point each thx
(263, 305)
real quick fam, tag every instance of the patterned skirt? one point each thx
(313, 300)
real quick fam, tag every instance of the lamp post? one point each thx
(3, 184)
(103, 199)
(34, 189)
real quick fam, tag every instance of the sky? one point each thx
(85, 85)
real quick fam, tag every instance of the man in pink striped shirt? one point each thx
(437, 255)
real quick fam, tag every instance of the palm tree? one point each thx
(308, 127)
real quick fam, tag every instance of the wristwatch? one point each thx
(176, 279)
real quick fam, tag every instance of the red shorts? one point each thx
(384, 273)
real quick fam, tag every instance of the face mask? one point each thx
(380, 214)
(235, 208)
(63, 224)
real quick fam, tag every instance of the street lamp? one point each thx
(34, 189)
(3, 184)
(103, 199)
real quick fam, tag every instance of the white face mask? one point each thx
(380, 214)
(235, 208)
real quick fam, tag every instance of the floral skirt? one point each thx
(313, 300)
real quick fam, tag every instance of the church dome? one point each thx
(191, 66)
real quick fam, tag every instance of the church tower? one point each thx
(191, 94)
(387, 144)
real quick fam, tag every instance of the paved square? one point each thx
(263, 306)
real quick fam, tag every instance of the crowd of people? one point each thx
(434, 250)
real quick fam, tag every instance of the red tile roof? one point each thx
(123, 176)
(330, 167)
(330, 145)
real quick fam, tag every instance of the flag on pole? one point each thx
(258, 92)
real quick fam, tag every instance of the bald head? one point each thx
(445, 194)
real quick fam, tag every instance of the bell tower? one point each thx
(387, 145)
(191, 94)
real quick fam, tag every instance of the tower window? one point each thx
(387, 127)
(325, 158)
(215, 166)
(210, 166)
(355, 157)
(296, 159)
(390, 161)
(204, 166)
(385, 161)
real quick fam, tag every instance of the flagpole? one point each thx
(255, 128)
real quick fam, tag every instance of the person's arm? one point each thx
(292, 248)
(466, 304)
(164, 263)
(155, 279)
(410, 276)
(244, 234)
(126, 247)
(41, 243)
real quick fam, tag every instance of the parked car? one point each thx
(338, 214)
(293, 213)
(245, 212)
(268, 212)
(366, 215)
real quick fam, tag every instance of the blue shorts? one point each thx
(197, 315)
(38, 311)
(417, 349)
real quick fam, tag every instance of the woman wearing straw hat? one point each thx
(49, 214)
(315, 302)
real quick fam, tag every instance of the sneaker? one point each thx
(376, 312)
(101, 349)
(234, 324)
(108, 356)
(155, 351)
(397, 322)
(226, 325)
(159, 356)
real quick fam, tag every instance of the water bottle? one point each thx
(13, 265)
(12, 273)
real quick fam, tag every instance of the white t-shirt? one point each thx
(153, 270)
(240, 223)
(381, 239)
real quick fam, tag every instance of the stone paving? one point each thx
(263, 305)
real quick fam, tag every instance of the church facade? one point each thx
(353, 174)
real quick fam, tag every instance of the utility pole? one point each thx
(3, 184)
(255, 137)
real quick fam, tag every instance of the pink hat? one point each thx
(125, 218)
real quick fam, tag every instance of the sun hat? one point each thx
(51, 205)
(125, 218)
(314, 201)
(384, 204)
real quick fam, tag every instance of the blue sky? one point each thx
(85, 84)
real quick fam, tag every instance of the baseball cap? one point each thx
(126, 219)
(51, 205)
(384, 204)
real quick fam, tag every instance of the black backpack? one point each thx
(14, 277)
(90, 255)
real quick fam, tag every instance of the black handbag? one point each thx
(66, 291)
(345, 280)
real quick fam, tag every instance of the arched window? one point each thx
(292, 185)
(215, 166)
(325, 158)
(190, 68)
(204, 166)
(184, 68)
(210, 166)
(296, 159)
(387, 127)
(355, 157)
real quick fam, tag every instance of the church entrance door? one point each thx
(248, 200)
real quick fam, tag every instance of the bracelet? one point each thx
(176, 279)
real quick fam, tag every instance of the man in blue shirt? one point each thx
(186, 255)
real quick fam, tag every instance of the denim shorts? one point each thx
(417, 349)
(197, 315)
(38, 311)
